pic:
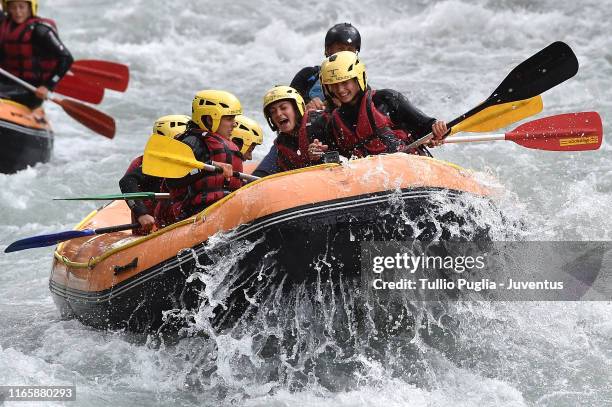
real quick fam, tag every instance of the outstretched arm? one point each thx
(49, 42)
(403, 113)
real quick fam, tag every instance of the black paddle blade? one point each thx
(541, 72)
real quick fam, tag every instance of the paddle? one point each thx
(87, 116)
(111, 75)
(495, 117)
(72, 86)
(165, 157)
(55, 238)
(565, 132)
(542, 71)
(131, 195)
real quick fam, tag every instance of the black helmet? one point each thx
(343, 33)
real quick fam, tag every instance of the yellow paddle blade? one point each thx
(168, 158)
(498, 116)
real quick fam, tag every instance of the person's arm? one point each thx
(303, 81)
(130, 183)
(49, 42)
(268, 165)
(315, 135)
(403, 114)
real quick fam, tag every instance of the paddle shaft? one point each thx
(126, 196)
(20, 81)
(89, 117)
(477, 109)
(475, 139)
(29, 86)
(118, 228)
(511, 136)
(246, 177)
(543, 142)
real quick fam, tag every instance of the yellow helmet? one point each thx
(340, 67)
(280, 92)
(171, 125)
(216, 104)
(33, 5)
(247, 130)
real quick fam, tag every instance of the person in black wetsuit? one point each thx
(341, 37)
(144, 211)
(31, 49)
(367, 122)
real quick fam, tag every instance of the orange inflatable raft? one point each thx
(287, 223)
(25, 135)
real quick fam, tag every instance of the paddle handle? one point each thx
(23, 83)
(18, 80)
(117, 228)
(449, 125)
(246, 177)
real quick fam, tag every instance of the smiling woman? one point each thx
(283, 108)
(362, 124)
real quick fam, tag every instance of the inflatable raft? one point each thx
(26, 137)
(281, 229)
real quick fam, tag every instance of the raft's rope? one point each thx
(201, 216)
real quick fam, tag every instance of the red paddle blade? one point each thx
(89, 117)
(72, 86)
(110, 75)
(565, 132)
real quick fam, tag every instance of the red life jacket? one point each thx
(210, 186)
(20, 56)
(374, 133)
(289, 157)
(136, 162)
(163, 209)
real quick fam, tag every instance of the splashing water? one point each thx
(323, 343)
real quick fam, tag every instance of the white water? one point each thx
(446, 56)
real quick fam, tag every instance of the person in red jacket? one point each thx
(149, 212)
(367, 122)
(208, 134)
(30, 49)
(283, 108)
